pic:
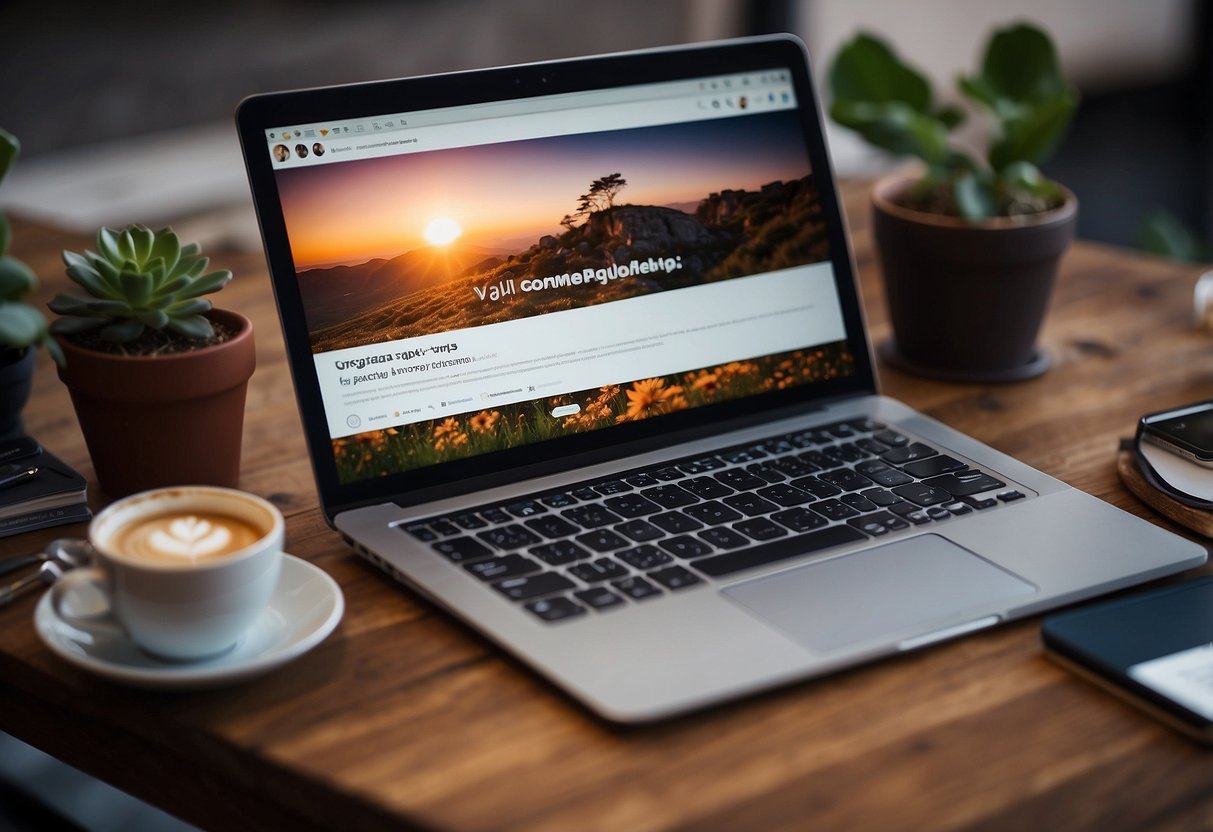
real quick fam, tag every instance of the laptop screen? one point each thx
(494, 276)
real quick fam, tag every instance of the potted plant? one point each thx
(970, 246)
(22, 327)
(157, 375)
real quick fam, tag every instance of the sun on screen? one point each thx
(442, 231)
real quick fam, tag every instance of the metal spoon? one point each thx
(47, 573)
(70, 552)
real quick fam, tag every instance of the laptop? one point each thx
(579, 354)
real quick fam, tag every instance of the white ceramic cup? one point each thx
(188, 610)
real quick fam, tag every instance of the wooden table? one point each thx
(405, 718)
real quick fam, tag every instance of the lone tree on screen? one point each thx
(600, 197)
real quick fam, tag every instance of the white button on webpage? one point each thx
(566, 410)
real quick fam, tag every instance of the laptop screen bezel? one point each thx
(257, 114)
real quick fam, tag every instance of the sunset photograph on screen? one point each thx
(415, 244)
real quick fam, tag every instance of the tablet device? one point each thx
(1154, 649)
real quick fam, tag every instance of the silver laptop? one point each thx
(580, 358)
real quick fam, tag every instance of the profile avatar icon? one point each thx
(318, 149)
(301, 151)
(282, 152)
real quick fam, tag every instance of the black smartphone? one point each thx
(1153, 649)
(1187, 431)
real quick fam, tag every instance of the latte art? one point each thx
(184, 539)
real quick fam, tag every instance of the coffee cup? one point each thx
(183, 571)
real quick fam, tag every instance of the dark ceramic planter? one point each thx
(152, 421)
(16, 378)
(967, 300)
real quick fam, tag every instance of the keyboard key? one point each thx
(786, 495)
(686, 547)
(891, 438)
(468, 521)
(869, 526)
(724, 538)
(631, 505)
(958, 508)
(908, 453)
(675, 577)
(545, 583)
(765, 471)
(738, 456)
(636, 588)
(706, 488)
(751, 505)
(890, 521)
(591, 516)
(782, 549)
(701, 466)
(872, 446)
(420, 531)
(922, 494)
(675, 522)
(740, 480)
(834, 510)
(818, 488)
(496, 515)
(668, 474)
(641, 480)
(612, 487)
(509, 537)
(644, 557)
(880, 496)
(599, 598)
(640, 531)
(918, 517)
(965, 483)
(502, 567)
(845, 479)
(865, 425)
(462, 549)
(938, 513)
(979, 503)
(791, 467)
(798, 519)
(558, 500)
(845, 452)
(585, 493)
(858, 502)
(559, 553)
(882, 473)
(603, 569)
(555, 609)
(444, 527)
(1009, 496)
(525, 508)
(670, 496)
(602, 540)
(760, 528)
(941, 464)
(551, 527)
(712, 513)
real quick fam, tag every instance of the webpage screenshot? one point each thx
(484, 277)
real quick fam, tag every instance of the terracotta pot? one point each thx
(175, 419)
(967, 300)
(16, 379)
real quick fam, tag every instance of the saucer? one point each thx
(305, 607)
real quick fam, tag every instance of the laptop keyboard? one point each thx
(652, 532)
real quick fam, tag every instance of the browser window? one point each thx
(484, 277)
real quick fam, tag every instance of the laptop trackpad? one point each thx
(905, 588)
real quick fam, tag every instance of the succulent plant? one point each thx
(21, 325)
(1019, 84)
(136, 280)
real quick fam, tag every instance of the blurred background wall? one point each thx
(124, 110)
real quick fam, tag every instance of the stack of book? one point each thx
(37, 489)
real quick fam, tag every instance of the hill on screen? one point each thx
(334, 294)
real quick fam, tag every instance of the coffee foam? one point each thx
(183, 538)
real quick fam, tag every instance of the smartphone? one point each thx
(1153, 649)
(1187, 431)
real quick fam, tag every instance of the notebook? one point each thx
(580, 359)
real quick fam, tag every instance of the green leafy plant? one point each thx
(1020, 86)
(21, 325)
(138, 280)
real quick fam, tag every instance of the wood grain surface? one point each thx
(405, 718)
